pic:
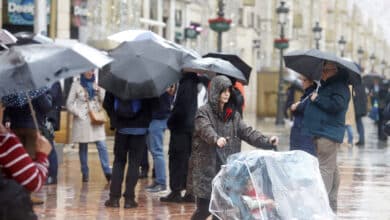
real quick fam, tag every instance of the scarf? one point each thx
(88, 85)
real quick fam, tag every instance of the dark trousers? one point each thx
(381, 123)
(179, 155)
(145, 161)
(360, 129)
(53, 161)
(127, 149)
(202, 210)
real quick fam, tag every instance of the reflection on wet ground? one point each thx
(364, 191)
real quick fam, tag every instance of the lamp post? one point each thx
(383, 67)
(342, 42)
(281, 44)
(220, 24)
(360, 53)
(372, 61)
(317, 34)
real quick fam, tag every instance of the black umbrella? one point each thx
(368, 79)
(310, 63)
(236, 61)
(142, 69)
(213, 66)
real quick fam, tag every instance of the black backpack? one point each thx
(127, 108)
(15, 201)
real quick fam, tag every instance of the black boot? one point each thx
(108, 177)
(111, 202)
(174, 196)
(130, 203)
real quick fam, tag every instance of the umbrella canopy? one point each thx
(30, 67)
(142, 69)
(139, 35)
(236, 61)
(210, 65)
(267, 184)
(20, 99)
(368, 79)
(310, 63)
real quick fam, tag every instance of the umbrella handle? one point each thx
(318, 85)
(33, 114)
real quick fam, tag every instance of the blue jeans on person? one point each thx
(103, 155)
(349, 130)
(155, 144)
(360, 129)
(53, 161)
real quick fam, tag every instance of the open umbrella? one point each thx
(142, 69)
(236, 61)
(21, 98)
(29, 67)
(368, 79)
(145, 64)
(310, 63)
(139, 35)
(210, 65)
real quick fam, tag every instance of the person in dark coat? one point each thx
(218, 132)
(298, 140)
(324, 119)
(53, 124)
(360, 104)
(129, 144)
(378, 93)
(181, 125)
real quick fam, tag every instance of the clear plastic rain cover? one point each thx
(270, 185)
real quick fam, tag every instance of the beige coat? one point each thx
(83, 131)
(350, 116)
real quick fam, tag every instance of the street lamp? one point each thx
(220, 24)
(383, 67)
(317, 34)
(360, 53)
(372, 61)
(342, 42)
(281, 44)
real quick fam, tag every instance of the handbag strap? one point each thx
(88, 102)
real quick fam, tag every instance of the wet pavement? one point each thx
(364, 190)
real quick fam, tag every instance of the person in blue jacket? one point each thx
(324, 119)
(299, 140)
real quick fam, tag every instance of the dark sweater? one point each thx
(164, 111)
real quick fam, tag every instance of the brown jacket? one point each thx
(209, 126)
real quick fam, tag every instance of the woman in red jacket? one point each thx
(16, 164)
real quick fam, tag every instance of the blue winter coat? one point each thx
(299, 140)
(325, 116)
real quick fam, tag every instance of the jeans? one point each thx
(53, 161)
(360, 128)
(127, 149)
(349, 130)
(155, 144)
(103, 155)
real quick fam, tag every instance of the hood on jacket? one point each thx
(217, 85)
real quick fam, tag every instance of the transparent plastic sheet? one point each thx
(270, 185)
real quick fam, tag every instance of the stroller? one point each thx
(267, 185)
